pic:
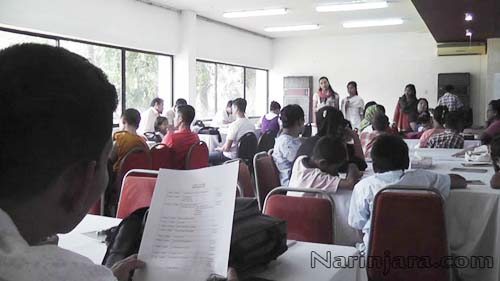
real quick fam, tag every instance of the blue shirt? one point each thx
(285, 150)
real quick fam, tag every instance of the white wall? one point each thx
(382, 64)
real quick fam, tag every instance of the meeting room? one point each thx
(196, 140)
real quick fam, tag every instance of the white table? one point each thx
(294, 264)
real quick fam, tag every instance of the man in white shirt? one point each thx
(353, 105)
(236, 130)
(390, 160)
(225, 116)
(48, 188)
(149, 116)
(171, 112)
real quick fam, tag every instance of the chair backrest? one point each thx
(266, 176)
(161, 156)
(266, 141)
(245, 185)
(136, 192)
(136, 158)
(197, 156)
(309, 219)
(408, 222)
(247, 147)
(307, 131)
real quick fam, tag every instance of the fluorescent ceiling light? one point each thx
(255, 13)
(370, 23)
(468, 17)
(352, 6)
(292, 28)
(468, 33)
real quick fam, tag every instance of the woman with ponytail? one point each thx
(438, 117)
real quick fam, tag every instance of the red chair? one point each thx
(309, 219)
(408, 222)
(197, 156)
(161, 156)
(266, 176)
(245, 185)
(136, 192)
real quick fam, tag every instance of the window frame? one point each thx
(122, 49)
(216, 63)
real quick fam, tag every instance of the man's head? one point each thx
(292, 116)
(453, 121)
(184, 116)
(275, 107)
(389, 153)
(449, 88)
(239, 106)
(229, 107)
(179, 102)
(329, 154)
(56, 115)
(380, 122)
(157, 103)
(131, 117)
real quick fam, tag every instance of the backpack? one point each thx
(256, 238)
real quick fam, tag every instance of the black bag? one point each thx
(256, 239)
(125, 239)
(211, 131)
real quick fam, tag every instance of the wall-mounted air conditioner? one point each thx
(461, 49)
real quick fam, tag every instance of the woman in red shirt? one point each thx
(405, 114)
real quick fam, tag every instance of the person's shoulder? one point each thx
(119, 134)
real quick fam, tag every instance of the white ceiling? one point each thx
(301, 12)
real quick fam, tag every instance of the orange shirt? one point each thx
(179, 142)
(124, 142)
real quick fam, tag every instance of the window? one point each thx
(205, 90)
(217, 83)
(9, 38)
(107, 59)
(256, 91)
(148, 76)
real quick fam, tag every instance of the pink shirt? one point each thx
(305, 177)
(493, 129)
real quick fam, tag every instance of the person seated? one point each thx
(423, 115)
(127, 139)
(438, 118)
(49, 187)
(171, 112)
(287, 144)
(270, 121)
(225, 116)
(493, 122)
(161, 125)
(495, 158)
(331, 122)
(321, 170)
(150, 115)
(370, 112)
(236, 130)
(451, 137)
(180, 137)
(380, 125)
(390, 162)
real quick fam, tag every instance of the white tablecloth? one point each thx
(294, 264)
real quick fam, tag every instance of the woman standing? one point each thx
(353, 105)
(325, 96)
(405, 114)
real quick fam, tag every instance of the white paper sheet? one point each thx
(188, 231)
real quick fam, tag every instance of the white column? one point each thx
(185, 60)
(493, 69)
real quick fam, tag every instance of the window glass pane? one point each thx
(229, 84)
(256, 92)
(10, 38)
(205, 90)
(107, 59)
(148, 76)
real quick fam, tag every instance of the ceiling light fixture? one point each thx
(292, 28)
(255, 13)
(354, 6)
(371, 23)
(468, 17)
